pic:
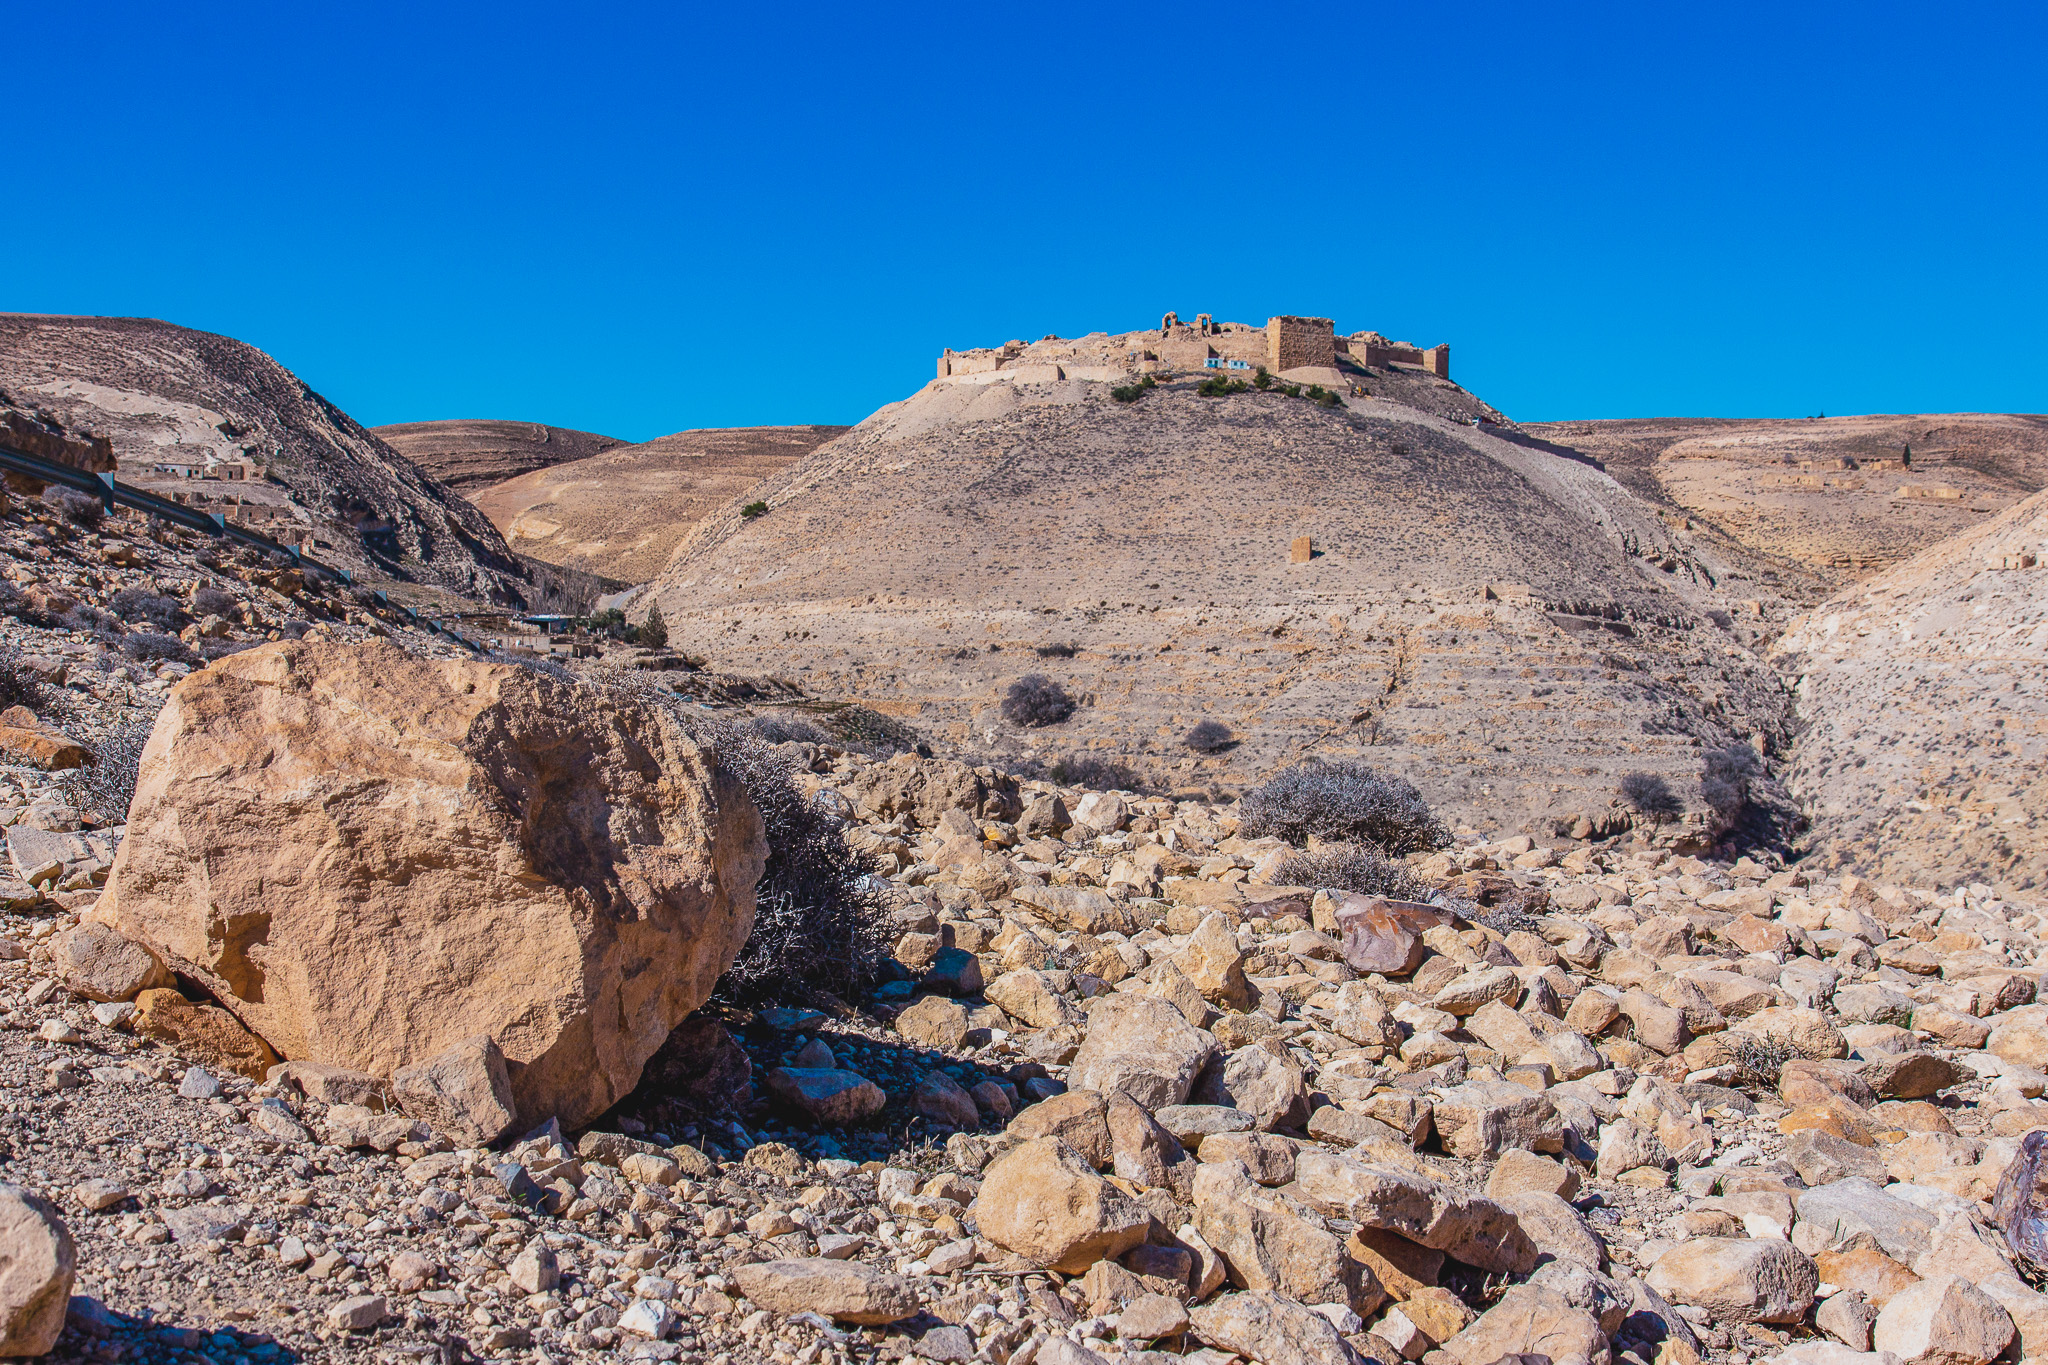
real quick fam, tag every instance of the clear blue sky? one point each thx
(634, 219)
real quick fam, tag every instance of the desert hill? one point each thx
(1831, 499)
(469, 453)
(217, 423)
(1506, 625)
(1924, 697)
(621, 512)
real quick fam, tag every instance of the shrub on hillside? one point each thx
(1127, 393)
(213, 602)
(142, 607)
(1055, 651)
(1035, 700)
(80, 509)
(754, 509)
(787, 730)
(1096, 774)
(1350, 867)
(19, 684)
(1262, 380)
(1208, 737)
(1342, 803)
(106, 786)
(1650, 796)
(821, 918)
(875, 733)
(1725, 778)
(147, 646)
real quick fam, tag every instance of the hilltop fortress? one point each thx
(1300, 350)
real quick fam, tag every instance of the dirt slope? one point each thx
(472, 453)
(1924, 694)
(1507, 625)
(1829, 499)
(620, 513)
(186, 409)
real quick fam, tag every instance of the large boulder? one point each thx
(926, 788)
(97, 962)
(37, 1261)
(1381, 935)
(371, 857)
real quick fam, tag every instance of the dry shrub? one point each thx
(1342, 803)
(1035, 700)
(1208, 737)
(1351, 867)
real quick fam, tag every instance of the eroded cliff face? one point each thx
(171, 399)
(1923, 696)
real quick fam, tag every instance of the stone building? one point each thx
(1299, 349)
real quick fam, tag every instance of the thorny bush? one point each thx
(1351, 867)
(1035, 700)
(1342, 803)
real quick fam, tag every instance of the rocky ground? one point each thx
(1130, 1093)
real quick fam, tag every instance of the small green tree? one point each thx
(654, 630)
(753, 509)
(1262, 379)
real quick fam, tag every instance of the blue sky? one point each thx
(638, 219)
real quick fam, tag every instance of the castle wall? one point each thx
(1293, 342)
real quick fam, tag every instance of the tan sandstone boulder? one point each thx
(371, 858)
(1043, 1201)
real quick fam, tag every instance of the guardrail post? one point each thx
(107, 491)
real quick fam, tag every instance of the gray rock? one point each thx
(1190, 1123)
(198, 1085)
(205, 1222)
(1855, 1212)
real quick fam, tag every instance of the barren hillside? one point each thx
(1507, 626)
(1924, 694)
(212, 421)
(622, 512)
(468, 453)
(1836, 496)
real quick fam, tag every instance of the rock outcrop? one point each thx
(370, 858)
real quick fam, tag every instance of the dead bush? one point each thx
(1342, 803)
(1356, 868)
(1035, 701)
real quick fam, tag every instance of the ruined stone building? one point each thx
(1296, 349)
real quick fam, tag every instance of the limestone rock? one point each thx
(205, 1032)
(1214, 962)
(1520, 1172)
(1270, 1327)
(934, 1022)
(1079, 1118)
(1468, 1227)
(1142, 1151)
(1143, 1047)
(98, 962)
(1556, 1228)
(1042, 1200)
(1268, 1159)
(1027, 995)
(945, 1101)
(1260, 1080)
(1486, 1118)
(37, 1261)
(1268, 1245)
(1737, 1279)
(926, 788)
(371, 856)
(1530, 1319)
(26, 740)
(1855, 1212)
(1943, 1321)
(845, 1291)
(464, 1092)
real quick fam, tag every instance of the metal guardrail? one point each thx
(111, 493)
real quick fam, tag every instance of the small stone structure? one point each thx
(1286, 343)
(1302, 550)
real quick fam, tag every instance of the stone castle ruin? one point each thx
(1296, 349)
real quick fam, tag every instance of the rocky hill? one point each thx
(1827, 499)
(214, 422)
(622, 512)
(1923, 695)
(1504, 624)
(468, 454)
